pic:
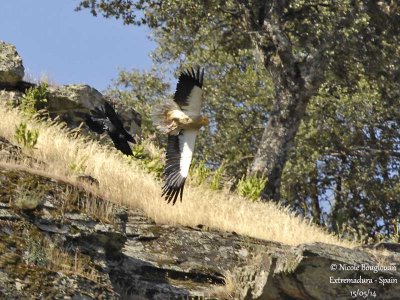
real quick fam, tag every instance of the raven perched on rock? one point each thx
(104, 119)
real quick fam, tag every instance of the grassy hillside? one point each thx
(123, 181)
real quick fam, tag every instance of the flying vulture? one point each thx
(104, 118)
(180, 119)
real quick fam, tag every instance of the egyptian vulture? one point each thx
(180, 119)
(104, 119)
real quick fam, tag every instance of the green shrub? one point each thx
(155, 166)
(152, 163)
(77, 168)
(35, 99)
(139, 151)
(199, 172)
(25, 137)
(250, 187)
(216, 181)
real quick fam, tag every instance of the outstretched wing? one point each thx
(110, 113)
(179, 156)
(115, 120)
(121, 144)
(104, 118)
(95, 124)
(97, 120)
(189, 92)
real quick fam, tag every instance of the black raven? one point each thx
(104, 118)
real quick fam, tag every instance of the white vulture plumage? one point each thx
(181, 120)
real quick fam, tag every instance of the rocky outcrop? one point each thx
(72, 102)
(32, 259)
(11, 68)
(67, 103)
(73, 97)
(322, 271)
(135, 258)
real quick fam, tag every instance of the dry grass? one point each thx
(383, 257)
(88, 203)
(229, 290)
(62, 261)
(42, 252)
(128, 184)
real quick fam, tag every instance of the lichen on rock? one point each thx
(11, 68)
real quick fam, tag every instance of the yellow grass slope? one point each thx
(128, 184)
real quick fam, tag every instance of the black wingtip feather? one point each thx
(196, 75)
(187, 80)
(104, 118)
(171, 193)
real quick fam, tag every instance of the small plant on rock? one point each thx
(28, 198)
(25, 137)
(35, 99)
(149, 160)
(79, 166)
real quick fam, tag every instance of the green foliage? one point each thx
(34, 99)
(77, 167)
(216, 180)
(152, 162)
(155, 166)
(199, 172)
(250, 187)
(138, 151)
(395, 236)
(25, 137)
(345, 167)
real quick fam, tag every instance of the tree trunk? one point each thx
(278, 139)
(297, 77)
(296, 81)
(315, 206)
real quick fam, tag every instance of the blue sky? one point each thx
(72, 47)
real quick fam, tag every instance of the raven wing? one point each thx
(121, 144)
(104, 118)
(94, 124)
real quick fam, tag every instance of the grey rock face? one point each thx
(321, 271)
(72, 102)
(11, 68)
(10, 98)
(78, 97)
